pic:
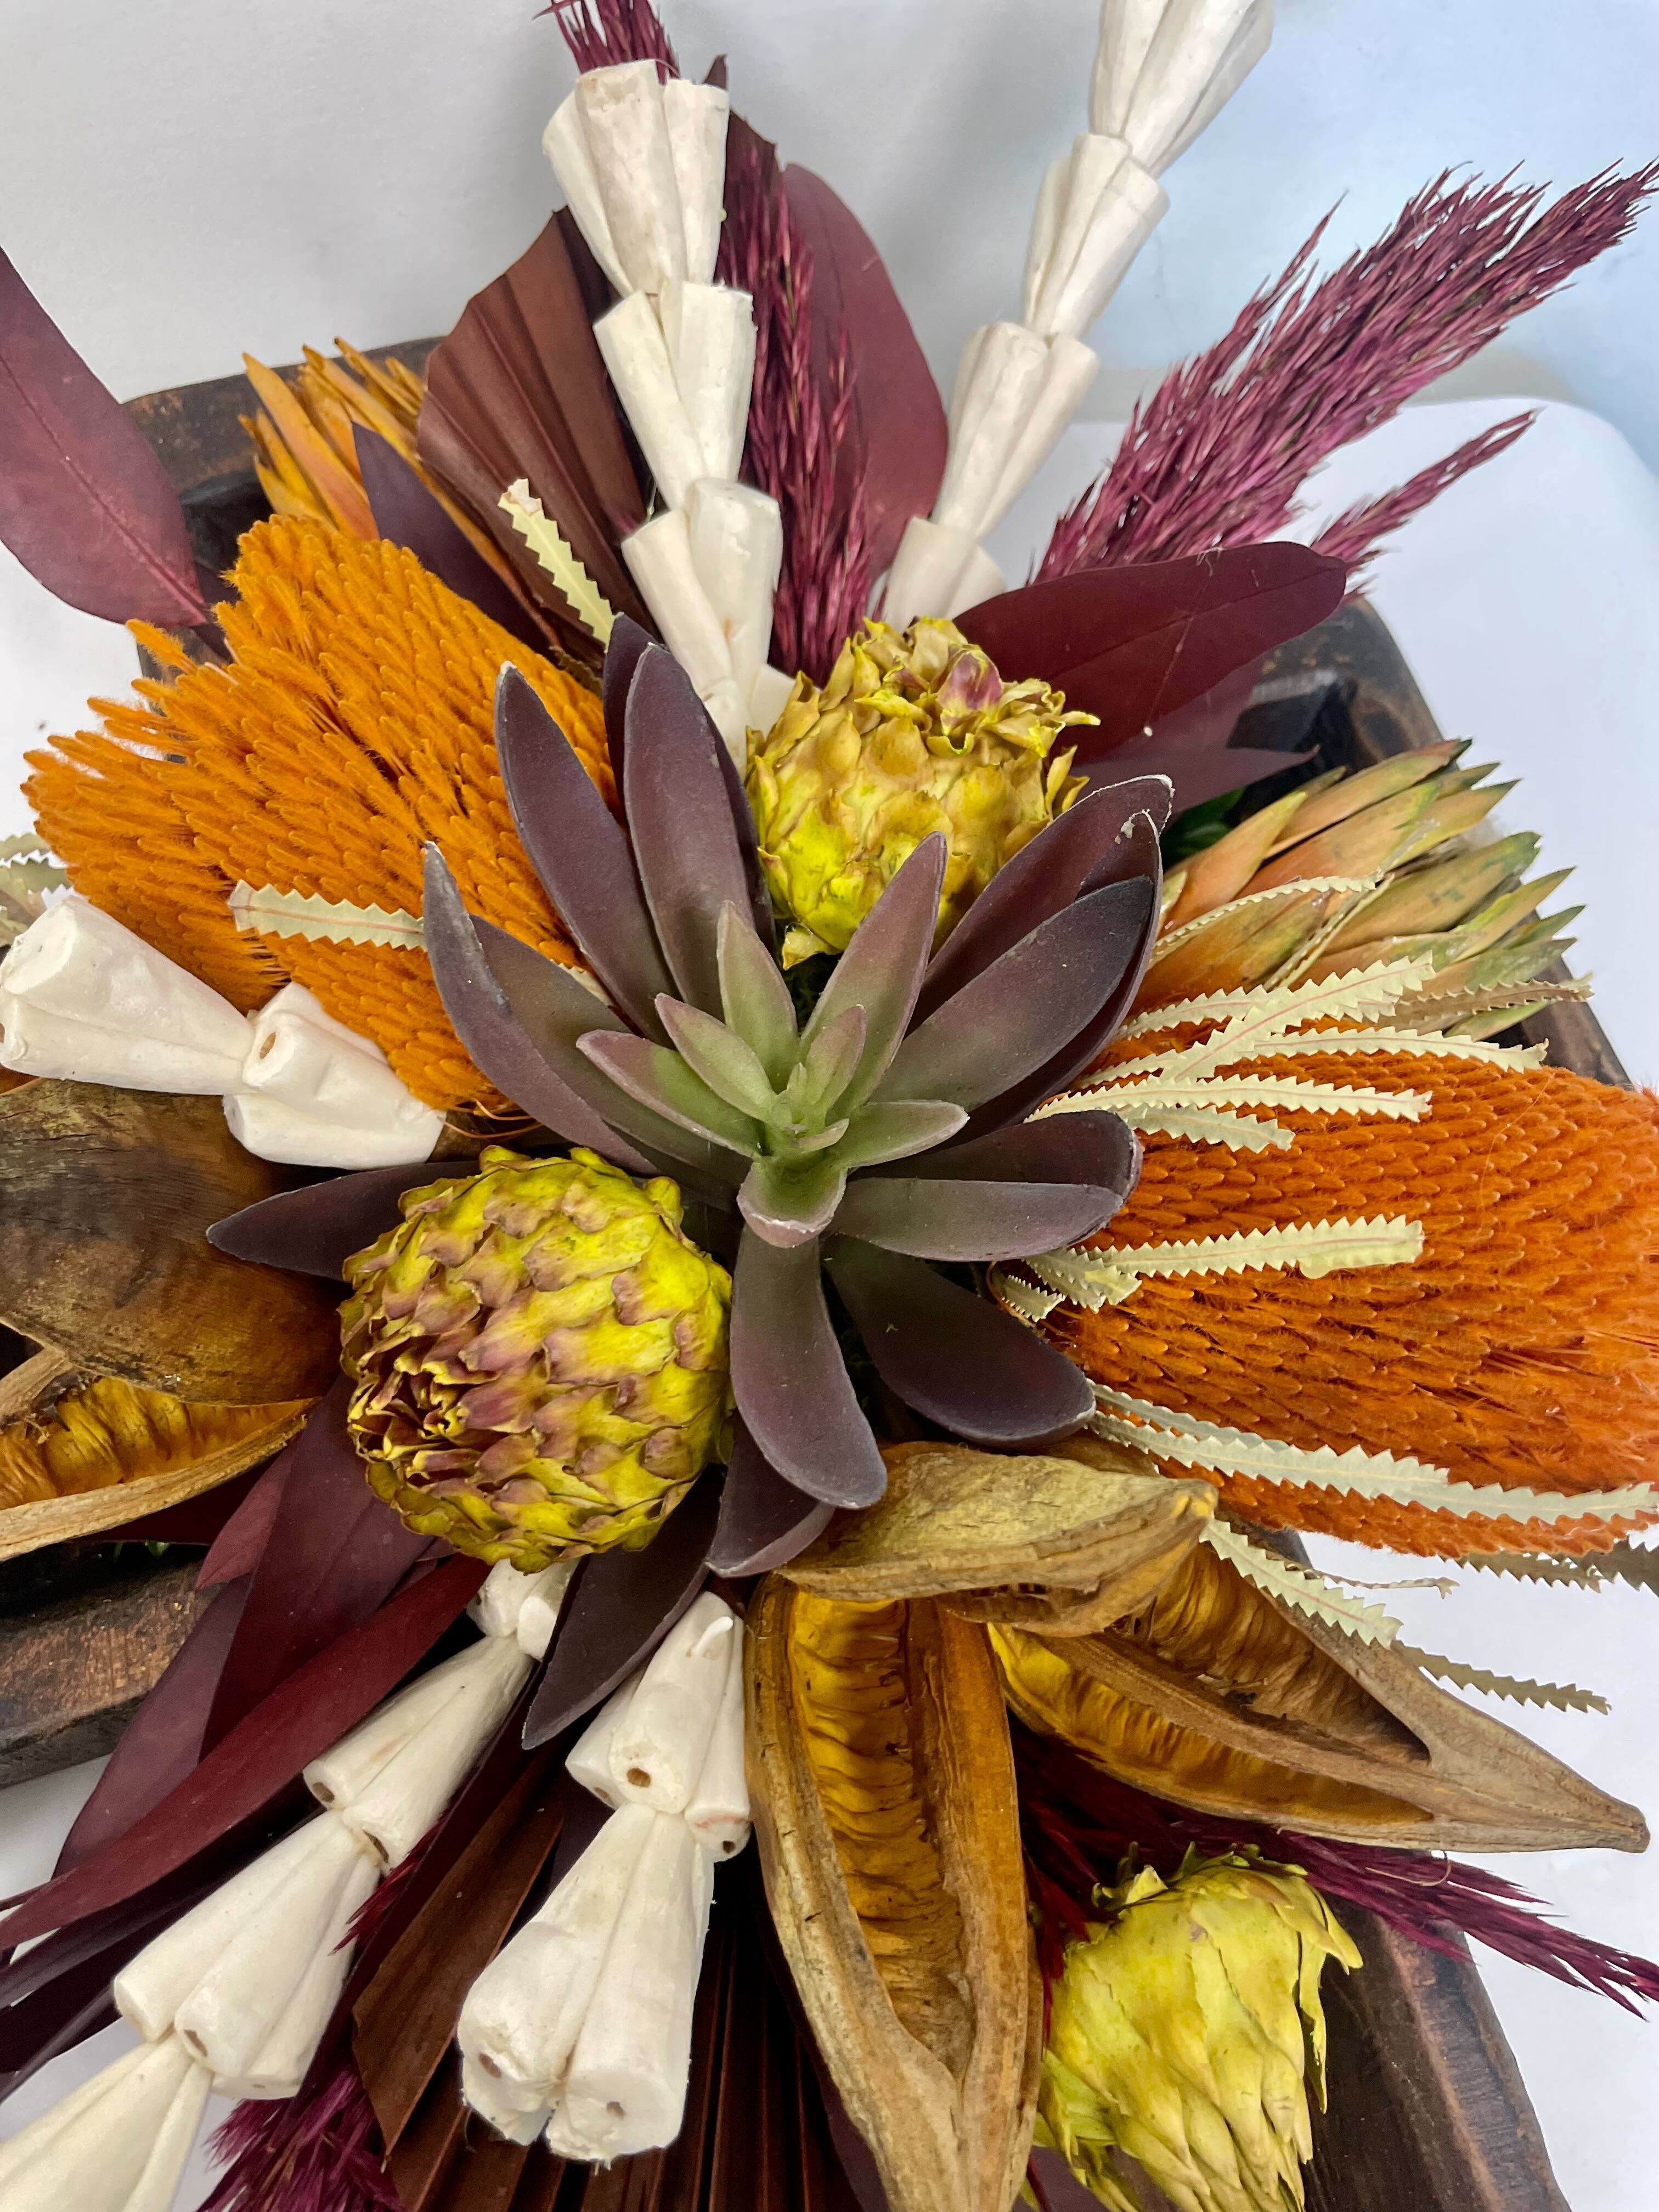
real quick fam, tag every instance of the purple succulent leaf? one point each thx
(316, 1230)
(1028, 1005)
(1135, 854)
(764, 1520)
(718, 1056)
(790, 1380)
(743, 819)
(622, 1606)
(833, 1058)
(956, 1358)
(626, 647)
(753, 997)
(492, 1026)
(686, 842)
(881, 967)
(786, 1205)
(1094, 1147)
(933, 1219)
(660, 1081)
(896, 1130)
(1058, 864)
(578, 849)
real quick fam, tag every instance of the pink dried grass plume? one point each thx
(601, 32)
(801, 446)
(1216, 456)
(1355, 537)
(314, 2152)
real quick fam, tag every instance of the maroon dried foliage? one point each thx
(1078, 1824)
(1356, 536)
(304, 2154)
(799, 423)
(601, 32)
(1216, 456)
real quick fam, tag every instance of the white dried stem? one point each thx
(1110, 206)
(284, 2059)
(625, 126)
(118, 2143)
(660, 1741)
(565, 144)
(496, 2104)
(938, 570)
(709, 332)
(353, 1110)
(1127, 28)
(697, 117)
(589, 1762)
(1071, 368)
(499, 1607)
(1249, 42)
(737, 550)
(994, 400)
(1188, 48)
(718, 1812)
(636, 356)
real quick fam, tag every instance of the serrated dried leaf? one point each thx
(1177, 938)
(92, 1453)
(1094, 1279)
(1296, 1585)
(883, 1790)
(1222, 1698)
(272, 912)
(1064, 1541)
(1562, 1697)
(1242, 1133)
(588, 604)
(1294, 1094)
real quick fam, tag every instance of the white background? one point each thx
(180, 179)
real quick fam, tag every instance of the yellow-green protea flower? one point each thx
(915, 731)
(540, 1358)
(1183, 2033)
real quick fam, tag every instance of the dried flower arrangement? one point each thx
(847, 1256)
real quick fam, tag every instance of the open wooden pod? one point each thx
(1219, 1698)
(883, 1790)
(1061, 1541)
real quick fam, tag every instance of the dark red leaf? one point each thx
(405, 513)
(56, 2017)
(933, 1219)
(764, 1520)
(309, 1710)
(1134, 643)
(1196, 777)
(789, 1378)
(621, 1606)
(956, 1358)
(628, 647)
(338, 1555)
(899, 417)
(84, 503)
(1201, 725)
(193, 1520)
(240, 1545)
(314, 1230)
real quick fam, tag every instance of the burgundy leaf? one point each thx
(315, 1230)
(620, 1607)
(1196, 777)
(790, 1380)
(1090, 1147)
(308, 1711)
(163, 1741)
(764, 1520)
(681, 817)
(338, 1555)
(406, 513)
(1134, 644)
(56, 2017)
(84, 503)
(956, 1358)
(1043, 876)
(628, 645)
(577, 848)
(742, 820)
(881, 970)
(935, 1220)
(898, 416)
(199, 1519)
(240, 1545)
(500, 1033)
(1203, 724)
(1028, 1005)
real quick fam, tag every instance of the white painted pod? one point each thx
(658, 1745)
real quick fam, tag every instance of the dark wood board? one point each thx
(1433, 2115)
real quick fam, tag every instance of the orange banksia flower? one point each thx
(353, 724)
(1521, 1348)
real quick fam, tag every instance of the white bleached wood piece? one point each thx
(626, 130)
(709, 333)
(589, 1762)
(658, 1745)
(565, 145)
(395, 1810)
(697, 117)
(736, 536)
(636, 356)
(117, 2144)
(718, 1813)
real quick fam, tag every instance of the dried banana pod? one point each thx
(1064, 1541)
(883, 1790)
(1222, 1699)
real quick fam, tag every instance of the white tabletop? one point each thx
(1524, 602)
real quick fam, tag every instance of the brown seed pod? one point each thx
(1062, 1541)
(1218, 1698)
(882, 1788)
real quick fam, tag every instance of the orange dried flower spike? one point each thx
(1522, 1348)
(354, 723)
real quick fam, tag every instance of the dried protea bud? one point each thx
(915, 731)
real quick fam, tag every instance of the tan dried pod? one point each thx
(1064, 1541)
(1218, 1698)
(883, 1790)
(80, 1453)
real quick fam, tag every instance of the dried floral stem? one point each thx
(1356, 535)
(800, 431)
(1078, 1823)
(601, 32)
(305, 2154)
(1216, 456)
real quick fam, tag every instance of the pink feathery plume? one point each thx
(318, 2153)
(1356, 536)
(600, 32)
(799, 448)
(1078, 1823)
(1216, 456)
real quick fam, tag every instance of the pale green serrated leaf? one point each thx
(1092, 1279)
(1531, 1567)
(1299, 1586)
(1242, 1133)
(1562, 1697)
(31, 846)
(1293, 1093)
(330, 921)
(541, 534)
(1025, 1300)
